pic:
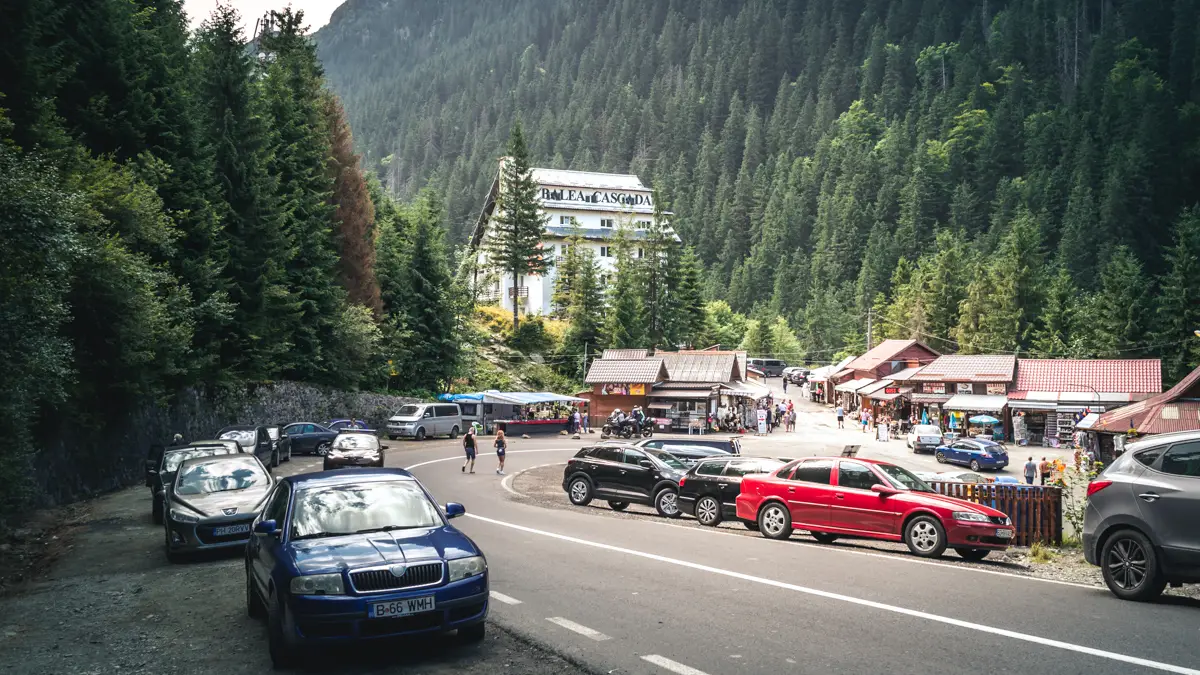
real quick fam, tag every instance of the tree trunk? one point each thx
(515, 297)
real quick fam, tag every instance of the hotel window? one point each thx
(565, 248)
(566, 220)
(643, 224)
(641, 253)
(606, 222)
(604, 251)
(604, 280)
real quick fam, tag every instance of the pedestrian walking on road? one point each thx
(469, 448)
(785, 385)
(841, 415)
(578, 422)
(1044, 470)
(863, 419)
(792, 419)
(586, 428)
(1030, 471)
(501, 448)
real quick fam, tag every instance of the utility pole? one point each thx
(584, 368)
(869, 311)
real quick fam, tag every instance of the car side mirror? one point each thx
(454, 509)
(265, 527)
(384, 447)
(646, 463)
(882, 489)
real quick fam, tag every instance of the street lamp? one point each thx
(1085, 386)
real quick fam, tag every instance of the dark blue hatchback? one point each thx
(360, 554)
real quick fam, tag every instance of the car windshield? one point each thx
(927, 430)
(665, 458)
(408, 411)
(367, 507)
(356, 442)
(174, 458)
(273, 432)
(222, 475)
(244, 437)
(903, 478)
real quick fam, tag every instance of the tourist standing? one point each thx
(1030, 471)
(841, 415)
(501, 448)
(1044, 470)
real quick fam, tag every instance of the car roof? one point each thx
(355, 431)
(347, 477)
(235, 456)
(864, 460)
(209, 442)
(238, 427)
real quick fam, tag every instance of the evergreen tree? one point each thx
(688, 316)
(624, 327)
(584, 335)
(656, 264)
(514, 244)
(1123, 313)
(1055, 335)
(354, 214)
(1178, 301)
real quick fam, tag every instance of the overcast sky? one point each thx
(316, 12)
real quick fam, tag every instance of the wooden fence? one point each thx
(1036, 511)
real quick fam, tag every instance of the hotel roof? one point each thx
(588, 179)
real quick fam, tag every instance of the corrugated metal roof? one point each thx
(969, 368)
(854, 385)
(588, 179)
(882, 352)
(1134, 376)
(627, 354)
(620, 371)
(1147, 413)
(928, 398)
(872, 388)
(904, 375)
(701, 366)
(977, 402)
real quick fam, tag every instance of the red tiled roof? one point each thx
(968, 368)
(884, 351)
(1146, 417)
(1134, 376)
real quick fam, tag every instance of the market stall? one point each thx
(519, 412)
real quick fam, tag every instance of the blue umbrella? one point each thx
(984, 419)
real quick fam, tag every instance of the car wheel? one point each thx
(975, 465)
(580, 492)
(774, 521)
(940, 457)
(824, 537)
(751, 525)
(255, 608)
(972, 554)
(156, 512)
(618, 506)
(283, 655)
(453, 433)
(323, 448)
(925, 536)
(708, 511)
(325, 466)
(1130, 567)
(172, 556)
(421, 434)
(666, 502)
(473, 633)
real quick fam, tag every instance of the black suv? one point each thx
(624, 474)
(709, 491)
(731, 445)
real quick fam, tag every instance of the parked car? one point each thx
(341, 425)
(308, 438)
(422, 420)
(833, 497)
(973, 452)
(624, 474)
(709, 490)
(354, 448)
(255, 439)
(321, 576)
(686, 451)
(162, 477)
(730, 445)
(795, 374)
(924, 437)
(1140, 522)
(768, 367)
(213, 501)
(283, 442)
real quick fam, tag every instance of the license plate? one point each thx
(230, 529)
(1004, 534)
(383, 610)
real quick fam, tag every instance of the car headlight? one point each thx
(466, 567)
(183, 516)
(970, 516)
(318, 584)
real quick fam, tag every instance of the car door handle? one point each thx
(791, 489)
(1148, 496)
(840, 495)
(622, 471)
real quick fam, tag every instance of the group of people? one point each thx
(471, 448)
(1044, 469)
(780, 413)
(578, 422)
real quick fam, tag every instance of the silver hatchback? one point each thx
(1142, 525)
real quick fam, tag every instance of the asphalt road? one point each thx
(648, 596)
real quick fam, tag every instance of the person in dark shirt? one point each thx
(469, 448)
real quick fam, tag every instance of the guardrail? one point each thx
(1035, 510)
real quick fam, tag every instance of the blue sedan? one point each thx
(354, 555)
(973, 452)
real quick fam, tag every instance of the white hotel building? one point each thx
(594, 203)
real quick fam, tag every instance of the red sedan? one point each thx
(834, 497)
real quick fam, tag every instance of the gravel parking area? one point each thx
(111, 603)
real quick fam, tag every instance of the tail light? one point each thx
(682, 480)
(1097, 485)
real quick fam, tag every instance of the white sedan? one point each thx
(924, 437)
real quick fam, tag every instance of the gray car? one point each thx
(213, 501)
(1140, 525)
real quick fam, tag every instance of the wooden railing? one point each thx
(1036, 511)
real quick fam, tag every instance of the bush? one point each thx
(531, 337)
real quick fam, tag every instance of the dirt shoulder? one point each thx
(107, 601)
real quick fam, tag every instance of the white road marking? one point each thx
(673, 666)
(506, 599)
(895, 609)
(832, 549)
(582, 630)
(511, 452)
(507, 482)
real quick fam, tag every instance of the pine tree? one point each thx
(688, 314)
(1178, 301)
(656, 264)
(354, 215)
(566, 272)
(514, 244)
(1055, 335)
(584, 333)
(1123, 313)
(624, 327)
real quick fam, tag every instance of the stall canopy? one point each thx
(512, 397)
(854, 385)
(745, 389)
(976, 403)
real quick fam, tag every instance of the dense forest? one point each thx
(185, 210)
(996, 176)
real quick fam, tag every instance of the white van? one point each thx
(422, 420)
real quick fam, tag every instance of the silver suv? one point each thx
(1142, 514)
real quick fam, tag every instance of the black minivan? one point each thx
(624, 475)
(709, 491)
(768, 367)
